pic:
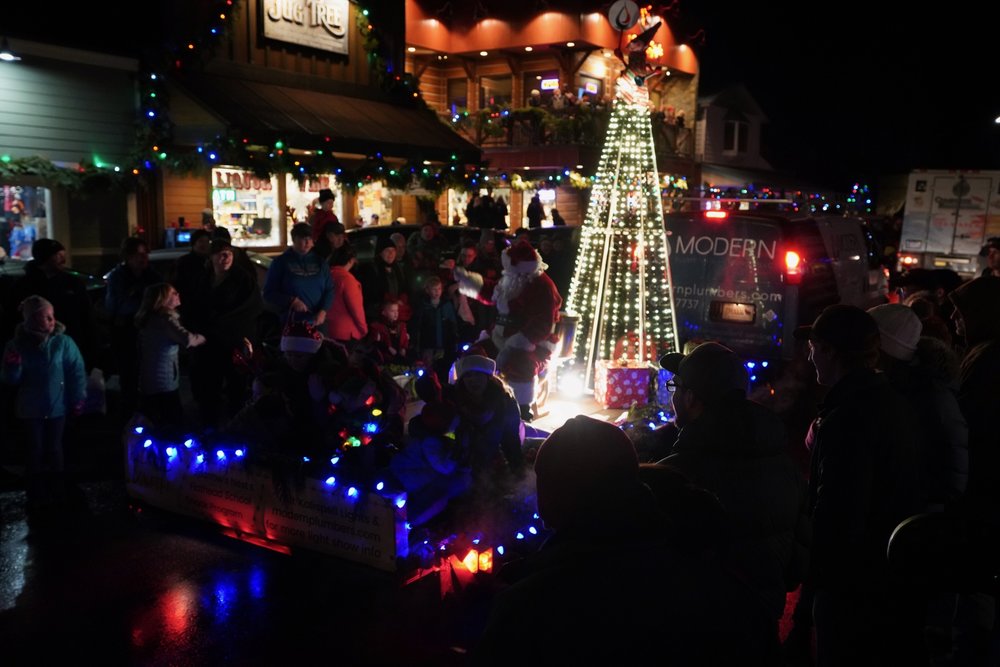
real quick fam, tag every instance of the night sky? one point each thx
(852, 90)
(851, 94)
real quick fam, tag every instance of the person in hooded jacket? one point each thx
(736, 449)
(47, 368)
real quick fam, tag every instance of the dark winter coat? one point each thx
(72, 306)
(738, 451)
(930, 384)
(864, 480)
(978, 301)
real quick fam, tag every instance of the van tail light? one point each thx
(716, 215)
(793, 267)
(909, 261)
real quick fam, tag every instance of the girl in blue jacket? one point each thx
(47, 367)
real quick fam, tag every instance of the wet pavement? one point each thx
(106, 581)
(113, 582)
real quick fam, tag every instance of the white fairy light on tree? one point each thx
(621, 290)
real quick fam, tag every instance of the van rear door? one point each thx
(728, 281)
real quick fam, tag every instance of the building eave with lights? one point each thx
(471, 60)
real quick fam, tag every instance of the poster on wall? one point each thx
(374, 199)
(247, 206)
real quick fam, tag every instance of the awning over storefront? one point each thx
(295, 112)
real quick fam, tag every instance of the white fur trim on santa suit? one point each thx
(520, 342)
(524, 392)
(470, 284)
(297, 344)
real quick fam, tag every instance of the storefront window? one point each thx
(548, 199)
(301, 198)
(494, 92)
(246, 205)
(24, 218)
(374, 199)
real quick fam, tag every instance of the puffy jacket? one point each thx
(51, 376)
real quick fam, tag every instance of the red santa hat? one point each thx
(523, 257)
(301, 337)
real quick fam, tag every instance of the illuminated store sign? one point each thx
(318, 24)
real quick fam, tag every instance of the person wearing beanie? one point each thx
(323, 214)
(298, 283)
(737, 449)
(865, 479)
(46, 276)
(48, 372)
(384, 278)
(489, 425)
(527, 303)
(226, 309)
(924, 370)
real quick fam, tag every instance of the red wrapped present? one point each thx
(618, 385)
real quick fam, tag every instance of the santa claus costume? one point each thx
(527, 303)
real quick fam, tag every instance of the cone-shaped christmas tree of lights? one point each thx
(621, 290)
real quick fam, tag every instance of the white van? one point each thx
(748, 279)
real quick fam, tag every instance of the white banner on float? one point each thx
(364, 527)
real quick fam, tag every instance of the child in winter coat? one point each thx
(47, 367)
(160, 338)
(389, 337)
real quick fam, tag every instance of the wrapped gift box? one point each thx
(618, 385)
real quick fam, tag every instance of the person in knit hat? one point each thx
(46, 367)
(323, 214)
(527, 303)
(46, 276)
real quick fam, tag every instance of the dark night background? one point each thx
(852, 90)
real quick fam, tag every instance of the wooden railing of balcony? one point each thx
(537, 126)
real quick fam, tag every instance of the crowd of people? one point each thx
(889, 533)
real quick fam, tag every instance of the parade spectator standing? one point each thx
(229, 306)
(298, 281)
(581, 599)
(991, 251)
(426, 249)
(48, 370)
(333, 242)
(127, 283)
(977, 320)
(323, 215)
(190, 270)
(161, 337)
(403, 259)
(737, 449)
(383, 279)
(864, 481)
(435, 329)
(925, 371)
(389, 336)
(557, 219)
(536, 212)
(345, 320)
(46, 276)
